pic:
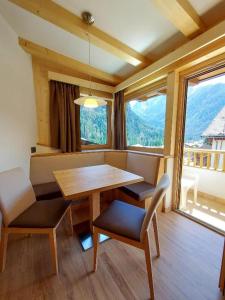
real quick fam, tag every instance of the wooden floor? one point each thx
(188, 268)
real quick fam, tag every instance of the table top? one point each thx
(87, 180)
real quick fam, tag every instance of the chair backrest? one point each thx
(190, 175)
(16, 194)
(157, 197)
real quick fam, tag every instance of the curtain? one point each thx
(119, 121)
(64, 116)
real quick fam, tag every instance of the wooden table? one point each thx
(90, 181)
(222, 273)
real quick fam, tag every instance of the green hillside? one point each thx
(93, 124)
(140, 132)
(152, 112)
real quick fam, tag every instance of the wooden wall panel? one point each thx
(171, 113)
(41, 85)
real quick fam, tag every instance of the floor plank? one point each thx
(188, 268)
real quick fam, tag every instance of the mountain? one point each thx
(152, 112)
(203, 104)
(139, 132)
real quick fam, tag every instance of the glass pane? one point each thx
(93, 125)
(204, 152)
(145, 122)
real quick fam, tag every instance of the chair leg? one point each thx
(95, 249)
(149, 266)
(3, 249)
(156, 233)
(183, 203)
(195, 193)
(147, 202)
(70, 220)
(53, 249)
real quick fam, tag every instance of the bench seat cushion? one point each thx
(123, 219)
(41, 214)
(45, 191)
(139, 191)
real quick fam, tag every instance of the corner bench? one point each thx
(47, 191)
(143, 164)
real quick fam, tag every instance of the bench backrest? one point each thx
(41, 167)
(146, 166)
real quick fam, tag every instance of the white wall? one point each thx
(17, 103)
(210, 182)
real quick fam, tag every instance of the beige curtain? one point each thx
(64, 116)
(119, 121)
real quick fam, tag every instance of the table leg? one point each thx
(94, 203)
(86, 238)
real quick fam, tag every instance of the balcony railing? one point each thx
(205, 159)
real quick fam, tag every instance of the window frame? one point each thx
(150, 89)
(108, 145)
(190, 75)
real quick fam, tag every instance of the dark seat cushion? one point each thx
(123, 219)
(41, 214)
(139, 191)
(45, 191)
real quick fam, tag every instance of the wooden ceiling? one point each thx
(68, 21)
(180, 13)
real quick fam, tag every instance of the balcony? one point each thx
(209, 166)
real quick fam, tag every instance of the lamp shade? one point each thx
(90, 101)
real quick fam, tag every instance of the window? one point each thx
(145, 122)
(95, 126)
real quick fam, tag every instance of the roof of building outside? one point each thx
(217, 127)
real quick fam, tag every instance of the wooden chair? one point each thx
(22, 214)
(131, 225)
(189, 180)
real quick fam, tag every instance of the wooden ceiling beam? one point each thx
(68, 21)
(81, 82)
(182, 15)
(205, 46)
(59, 59)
